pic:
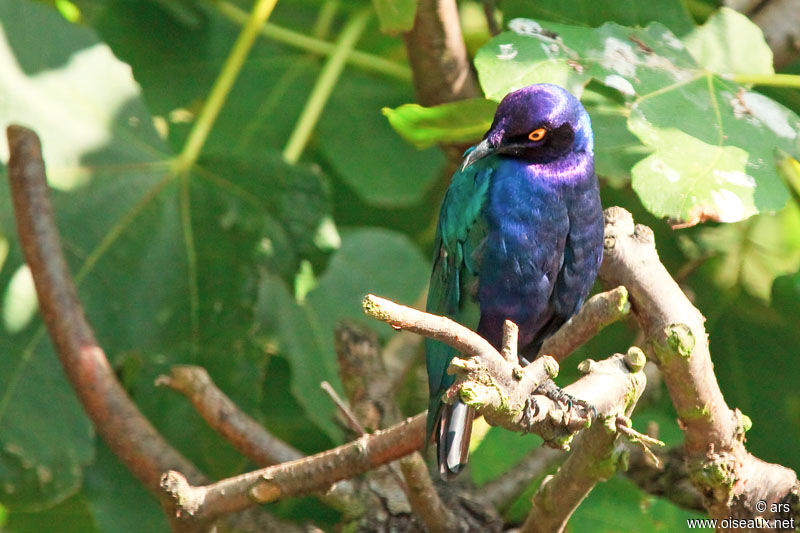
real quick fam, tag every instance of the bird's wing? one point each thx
(459, 236)
(583, 252)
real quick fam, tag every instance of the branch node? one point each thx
(635, 359)
(510, 338)
(188, 499)
(680, 339)
(587, 366)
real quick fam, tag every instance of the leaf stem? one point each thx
(222, 86)
(356, 58)
(325, 83)
(770, 80)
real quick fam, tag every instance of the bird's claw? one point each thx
(555, 393)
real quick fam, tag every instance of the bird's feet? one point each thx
(552, 391)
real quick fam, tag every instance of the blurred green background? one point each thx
(244, 264)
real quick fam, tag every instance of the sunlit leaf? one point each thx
(675, 105)
(361, 146)
(455, 122)
(730, 43)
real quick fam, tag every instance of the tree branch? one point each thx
(593, 456)
(731, 480)
(437, 54)
(115, 417)
(294, 478)
(249, 437)
(497, 388)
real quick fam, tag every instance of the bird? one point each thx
(519, 237)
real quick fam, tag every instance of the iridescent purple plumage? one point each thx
(520, 237)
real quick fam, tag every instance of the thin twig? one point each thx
(623, 426)
(510, 336)
(344, 409)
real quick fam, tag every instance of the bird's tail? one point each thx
(452, 438)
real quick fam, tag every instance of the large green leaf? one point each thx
(355, 138)
(167, 266)
(117, 501)
(729, 43)
(369, 261)
(676, 105)
(671, 13)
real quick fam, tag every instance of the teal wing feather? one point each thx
(459, 237)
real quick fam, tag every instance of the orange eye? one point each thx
(537, 134)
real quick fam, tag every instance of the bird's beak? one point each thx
(480, 151)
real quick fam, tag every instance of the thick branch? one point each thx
(732, 480)
(117, 419)
(497, 388)
(250, 438)
(438, 56)
(593, 456)
(297, 477)
(599, 311)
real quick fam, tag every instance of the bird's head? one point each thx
(538, 123)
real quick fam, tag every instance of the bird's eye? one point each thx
(537, 134)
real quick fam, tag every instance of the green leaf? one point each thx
(464, 121)
(185, 58)
(671, 13)
(69, 516)
(395, 15)
(730, 43)
(166, 266)
(754, 346)
(370, 261)
(619, 505)
(363, 149)
(117, 501)
(616, 149)
(686, 179)
(675, 105)
(753, 253)
(526, 55)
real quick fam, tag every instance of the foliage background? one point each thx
(245, 264)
